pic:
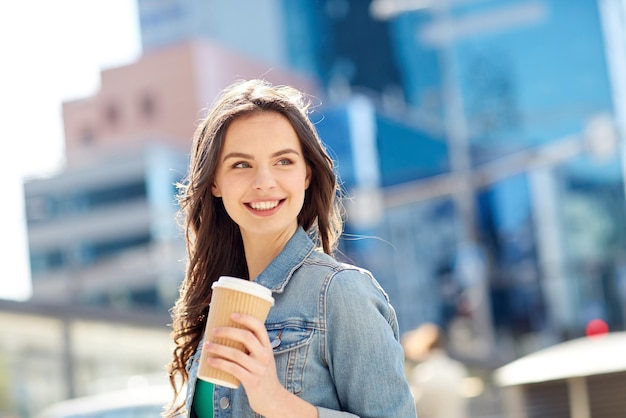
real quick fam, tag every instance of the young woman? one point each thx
(260, 202)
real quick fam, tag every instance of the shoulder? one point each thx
(343, 276)
(347, 286)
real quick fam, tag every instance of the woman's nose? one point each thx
(264, 179)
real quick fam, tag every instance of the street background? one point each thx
(479, 143)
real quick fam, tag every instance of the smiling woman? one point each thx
(261, 202)
(261, 178)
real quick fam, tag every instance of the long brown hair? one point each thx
(214, 245)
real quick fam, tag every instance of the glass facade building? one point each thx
(530, 91)
(531, 77)
(525, 89)
(521, 86)
(104, 234)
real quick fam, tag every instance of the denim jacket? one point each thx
(338, 334)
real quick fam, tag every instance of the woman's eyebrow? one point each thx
(250, 157)
(285, 151)
(237, 155)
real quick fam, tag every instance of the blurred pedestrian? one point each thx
(436, 379)
(260, 202)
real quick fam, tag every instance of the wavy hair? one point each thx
(213, 240)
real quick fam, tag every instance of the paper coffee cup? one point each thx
(231, 295)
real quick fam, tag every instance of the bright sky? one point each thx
(51, 51)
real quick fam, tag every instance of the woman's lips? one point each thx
(266, 207)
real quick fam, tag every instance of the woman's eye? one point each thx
(241, 164)
(284, 161)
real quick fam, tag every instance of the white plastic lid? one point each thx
(243, 285)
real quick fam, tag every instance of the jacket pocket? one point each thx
(291, 345)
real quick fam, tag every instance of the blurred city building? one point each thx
(102, 232)
(581, 377)
(478, 143)
(530, 98)
(51, 352)
(336, 42)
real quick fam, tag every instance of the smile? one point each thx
(269, 205)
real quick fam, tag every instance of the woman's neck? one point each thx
(260, 250)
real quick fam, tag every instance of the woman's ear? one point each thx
(216, 191)
(307, 180)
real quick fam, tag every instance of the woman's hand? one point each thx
(256, 369)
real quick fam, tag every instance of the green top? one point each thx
(203, 399)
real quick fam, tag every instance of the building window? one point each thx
(337, 9)
(40, 208)
(41, 262)
(87, 136)
(148, 106)
(97, 251)
(115, 195)
(112, 114)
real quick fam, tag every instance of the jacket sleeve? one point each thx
(329, 413)
(362, 348)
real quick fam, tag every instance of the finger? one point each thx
(244, 336)
(259, 350)
(236, 362)
(229, 354)
(254, 325)
(220, 359)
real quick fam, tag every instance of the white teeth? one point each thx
(264, 205)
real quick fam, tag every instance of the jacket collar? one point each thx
(277, 274)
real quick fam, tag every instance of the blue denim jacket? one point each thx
(339, 347)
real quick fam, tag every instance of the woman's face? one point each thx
(262, 174)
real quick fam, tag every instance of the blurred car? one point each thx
(144, 402)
